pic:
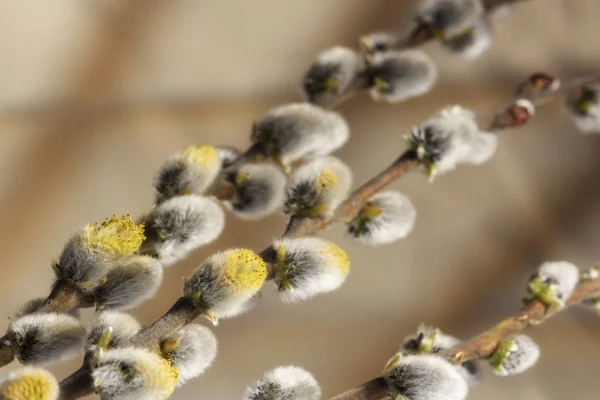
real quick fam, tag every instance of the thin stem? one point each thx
(374, 389)
(77, 385)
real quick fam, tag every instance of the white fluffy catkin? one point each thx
(376, 42)
(585, 109)
(553, 282)
(192, 170)
(29, 384)
(224, 283)
(318, 187)
(332, 73)
(398, 76)
(133, 280)
(514, 355)
(450, 18)
(191, 350)
(385, 218)
(285, 383)
(131, 373)
(471, 44)
(292, 132)
(122, 327)
(44, 338)
(259, 191)
(308, 266)
(424, 377)
(180, 225)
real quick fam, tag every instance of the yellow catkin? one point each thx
(338, 257)
(244, 269)
(115, 236)
(201, 154)
(327, 179)
(33, 386)
(161, 378)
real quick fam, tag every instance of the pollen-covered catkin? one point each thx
(29, 383)
(297, 131)
(318, 187)
(180, 225)
(585, 109)
(331, 74)
(553, 282)
(44, 338)
(131, 281)
(308, 266)
(131, 373)
(398, 76)
(258, 191)
(385, 218)
(191, 350)
(471, 44)
(192, 170)
(90, 253)
(450, 18)
(285, 383)
(122, 327)
(514, 355)
(223, 284)
(424, 377)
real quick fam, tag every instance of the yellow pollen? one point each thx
(115, 236)
(244, 269)
(33, 386)
(338, 257)
(201, 154)
(162, 377)
(327, 179)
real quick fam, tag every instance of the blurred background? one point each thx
(95, 94)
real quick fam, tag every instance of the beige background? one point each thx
(94, 95)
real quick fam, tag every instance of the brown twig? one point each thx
(483, 345)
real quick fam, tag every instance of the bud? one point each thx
(378, 42)
(132, 281)
(472, 43)
(33, 305)
(45, 338)
(450, 138)
(285, 383)
(228, 155)
(298, 131)
(385, 218)
(514, 355)
(332, 74)
(91, 252)
(318, 188)
(585, 109)
(113, 327)
(222, 285)
(553, 283)
(538, 84)
(29, 384)
(191, 351)
(515, 115)
(592, 274)
(305, 267)
(424, 377)
(190, 171)
(258, 191)
(180, 225)
(450, 18)
(396, 76)
(125, 374)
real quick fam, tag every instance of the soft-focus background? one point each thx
(95, 94)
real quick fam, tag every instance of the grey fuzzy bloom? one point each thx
(285, 383)
(45, 338)
(180, 225)
(424, 377)
(29, 383)
(332, 73)
(79, 263)
(428, 340)
(385, 218)
(133, 280)
(190, 171)
(378, 42)
(585, 109)
(472, 43)
(514, 355)
(31, 306)
(228, 155)
(121, 328)
(259, 191)
(318, 187)
(553, 282)
(398, 76)
(298, 131)
(191, 351)
(450, 18)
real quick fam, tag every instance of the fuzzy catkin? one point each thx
(122, 327)
(585, 109)
(553, 282)
(285, 383)
(471, 44)
(514, 355)
(29, 384)
(450, 18)
(259, 191)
